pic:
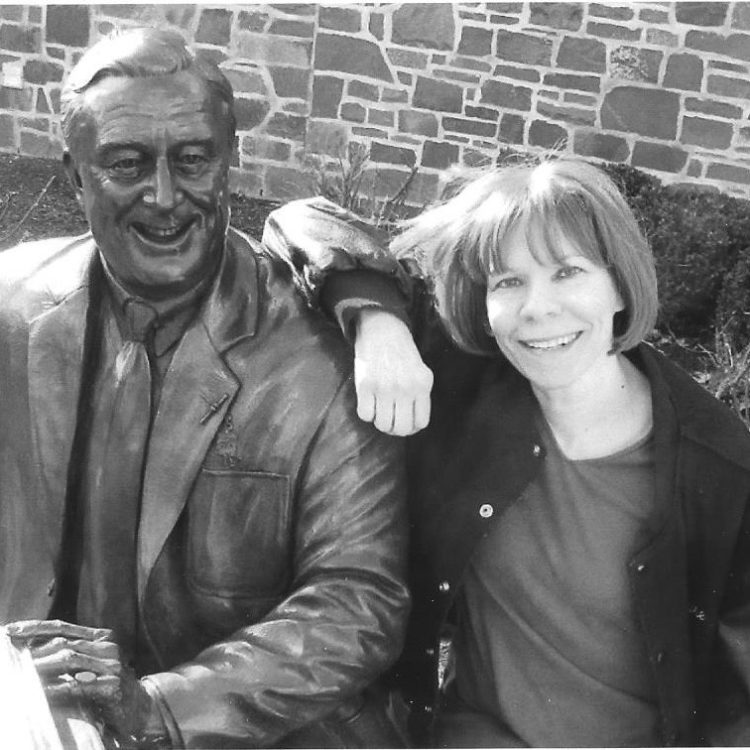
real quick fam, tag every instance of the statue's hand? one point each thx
(81, 663)
(393, 383)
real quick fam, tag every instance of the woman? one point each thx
(578, 504)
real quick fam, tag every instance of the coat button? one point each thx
(429, 652)
(660, 656)
(486, 510)
(444, 587)
(640, 568)
(537, 451)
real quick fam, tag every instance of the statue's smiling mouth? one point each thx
(163, 235)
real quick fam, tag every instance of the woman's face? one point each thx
(552, 320)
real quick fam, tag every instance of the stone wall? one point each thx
(663, 86)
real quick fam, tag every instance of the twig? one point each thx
(15, 231)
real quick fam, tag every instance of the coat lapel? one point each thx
(198, 391)
(55, 363)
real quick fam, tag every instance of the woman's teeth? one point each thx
(551, 343)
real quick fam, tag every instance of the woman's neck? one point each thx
(605, 414)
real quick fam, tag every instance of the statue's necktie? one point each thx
(119, 439)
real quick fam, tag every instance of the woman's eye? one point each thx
(566, 272)
(509, 282)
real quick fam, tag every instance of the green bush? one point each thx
(701, 243)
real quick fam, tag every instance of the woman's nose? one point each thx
(540, 299)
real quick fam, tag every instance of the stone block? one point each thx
(292, 27)
(381, 117)
(523, 48)
(423, 188)
(634, 64)
(68, 25)
(521, 74)
(35, 123)
(733, 67)
(362, 90)
(420, 123)
(42, 105)
(505, 7)
(369, 132)
(20, 38)
(570, 97)
(375, 25)
(701, 14)
(588, 55)
(265, 148)
(284, 183)
(252, 21)
(398, 96)
(287, 126)
(475, 41)
(684, 72)
(438, 155)
(502, 21)
(614, 12)
(408, 58)
(741, 16)
(353, 111)
(547, 135)
(35, 14)
(701, 131)
(481, 113)
(381, 153)
(439, 59)
(469, 16)
(728, 173)
(438, 95)
(600, 145)
(179, 14)
(296, 107)
(7, 132)
(470, 127)
(272, 50)
(54, 97)
(460, 61)
(733, 45)
(649, 112)
(351, 55)
(557, 15)
(340, 19)
(250, 112)
(214, 27)
(217, 55)
(658, 156)
(246, 79)
(738, 88)
(568, 81)
(506, 95)
(574, 115)
(295, 9)
(511, 128)
(42, 71)
(429, 25)
(695, 168)
(42, 146)
(713, 108)
(457, 75)
(16, 98)
(662, 38)
(11, 12)
(290, 81)
(326, 96)
(613, 31)
(328, 138)
(405, 78)
(56, 52)
(648, 15)
(473, 158)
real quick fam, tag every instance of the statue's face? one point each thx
(149, 159)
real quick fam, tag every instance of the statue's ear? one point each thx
(74, 177)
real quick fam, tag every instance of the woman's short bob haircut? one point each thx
(459, 241)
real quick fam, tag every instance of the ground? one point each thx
(22, 180)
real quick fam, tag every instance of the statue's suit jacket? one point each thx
(272, 533)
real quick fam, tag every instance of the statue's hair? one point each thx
(141, 53)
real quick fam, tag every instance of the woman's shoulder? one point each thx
(701, 416)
